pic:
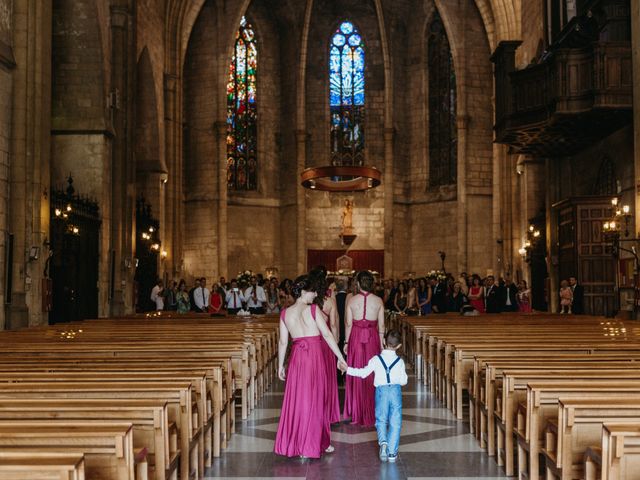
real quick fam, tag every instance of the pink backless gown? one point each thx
(304, 428)
(332, 402)
(364, 343)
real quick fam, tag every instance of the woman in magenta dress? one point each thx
(330, 313)
(303, 430)
(364, 334)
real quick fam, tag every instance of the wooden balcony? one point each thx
(576, 95)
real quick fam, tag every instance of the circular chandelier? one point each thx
(341, 178)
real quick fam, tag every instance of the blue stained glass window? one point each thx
(346, 95)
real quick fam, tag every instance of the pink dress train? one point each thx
(364, 343)
(304, 429)
(332, 403)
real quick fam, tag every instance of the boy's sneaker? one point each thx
(392, 458)
(384, 453)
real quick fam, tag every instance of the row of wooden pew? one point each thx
(548, 396)
(144, 397)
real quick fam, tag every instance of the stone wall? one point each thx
(6, 104)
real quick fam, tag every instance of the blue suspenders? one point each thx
(388, 369)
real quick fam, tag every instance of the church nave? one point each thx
(433, 444)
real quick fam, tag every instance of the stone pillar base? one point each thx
(17, 313)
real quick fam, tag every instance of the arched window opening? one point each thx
(242, 130)
(443, 138)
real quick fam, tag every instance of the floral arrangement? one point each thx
(438, 274)
(244, 278)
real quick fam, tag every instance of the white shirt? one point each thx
(156, 298)
(398, 374)
(261, 298)
(234, 299)
(201, 297)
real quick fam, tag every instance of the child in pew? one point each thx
(390, 376)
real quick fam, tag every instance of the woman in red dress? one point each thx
(303, 429)
(364, 336)
(476, 294)
(216, 300)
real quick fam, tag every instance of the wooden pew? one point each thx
(41, 466)
(542, 405)
(177, 395)
(107, 446)
(579, 425)
(618, 458)
(151, 427)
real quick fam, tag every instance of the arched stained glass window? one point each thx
(443, 137)
(242, 131)
(346, 97)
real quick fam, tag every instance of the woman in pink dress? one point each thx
(476, 294)
(330, 313)
(524, 297)
(303, 430)
(364, 336)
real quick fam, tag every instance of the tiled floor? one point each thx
(433, 445)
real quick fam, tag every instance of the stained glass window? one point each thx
(346, 97)
(443, 138)
(242, 131)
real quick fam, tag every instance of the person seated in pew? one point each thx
(234, 299)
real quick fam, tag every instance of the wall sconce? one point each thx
(163, 254)
(34, 253)
(155, 246)
(522, 251)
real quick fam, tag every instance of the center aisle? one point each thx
(433, 445)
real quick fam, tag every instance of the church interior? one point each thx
(148, 141)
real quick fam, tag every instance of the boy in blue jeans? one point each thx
(390, 376)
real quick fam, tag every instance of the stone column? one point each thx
(28, 204)
(173, 187)
(552, 236)
(462, 123)
(221, 137)
(388, 202)
(498, 214)
(301, 213)
(123, 189)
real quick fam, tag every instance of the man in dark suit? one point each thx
(577, 305)
(509, 295)
(492, 295)
(439, 298)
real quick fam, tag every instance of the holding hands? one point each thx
(342, 365)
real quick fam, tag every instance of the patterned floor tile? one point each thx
(433, 445)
